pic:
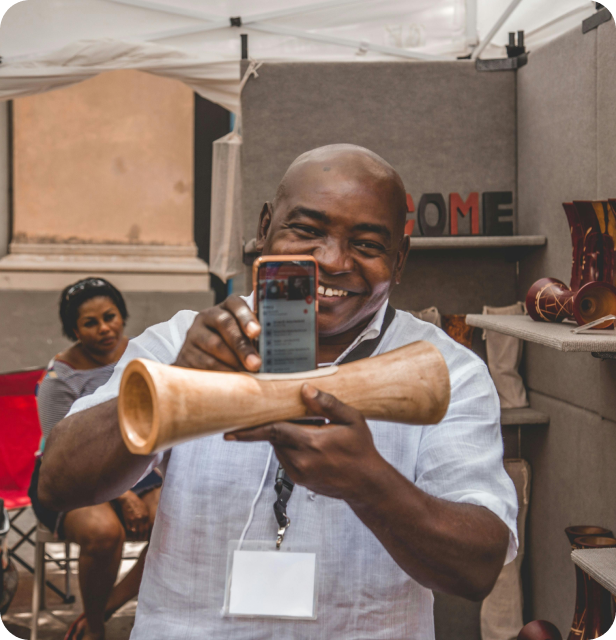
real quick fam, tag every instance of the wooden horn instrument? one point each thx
(160, 405)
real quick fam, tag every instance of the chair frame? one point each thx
(26, 536)
(43, 536)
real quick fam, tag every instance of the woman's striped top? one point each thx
(61, 386)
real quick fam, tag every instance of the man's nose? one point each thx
(104, 328)
(334, 258)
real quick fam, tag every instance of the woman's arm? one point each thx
(86, 461)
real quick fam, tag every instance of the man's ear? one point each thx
(265, 219)
(403, 253)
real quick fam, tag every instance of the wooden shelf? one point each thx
(421, 243)
(524, 416)
(512, 245)
(550, 334)
(599, 564)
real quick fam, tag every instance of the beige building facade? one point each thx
(103, 185)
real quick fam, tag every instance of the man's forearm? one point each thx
(445, 546)
(86, 461)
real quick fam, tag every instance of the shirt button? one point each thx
(312, 495)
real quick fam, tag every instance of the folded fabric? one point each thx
(504, 355)
(430, 315)
(501, 612)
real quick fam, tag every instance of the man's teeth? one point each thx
(332, 292)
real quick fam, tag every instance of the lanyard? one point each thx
(284, 485)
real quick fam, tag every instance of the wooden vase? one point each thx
(539, 630)
(599, 616)
(581, 629)
(591, 293)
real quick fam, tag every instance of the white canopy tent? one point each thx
(47, 44)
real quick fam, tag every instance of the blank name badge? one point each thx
(265, 582)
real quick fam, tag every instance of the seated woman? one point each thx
(93, 314)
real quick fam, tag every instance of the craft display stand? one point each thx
(599, 564)
(558, 336)
(419, 243)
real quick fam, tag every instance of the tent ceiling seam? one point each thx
(344, 42)
(257, 17)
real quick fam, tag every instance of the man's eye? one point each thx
(369, 247)
(109, 317)
(90, 323)
(305, 229)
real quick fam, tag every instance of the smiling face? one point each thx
(100, 326)
(346, 207)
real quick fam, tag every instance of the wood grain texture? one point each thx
(160, 406)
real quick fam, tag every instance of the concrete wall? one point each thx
(4, 179)
(444, 126)
(109, 160)
(566, 150)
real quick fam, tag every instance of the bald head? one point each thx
(345, 206)
(350, 162)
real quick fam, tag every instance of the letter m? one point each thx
(458, 206)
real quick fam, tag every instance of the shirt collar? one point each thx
(372, 330)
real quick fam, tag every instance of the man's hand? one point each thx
(445, 546)
(136, 516)
(333, 460)
(220, 339)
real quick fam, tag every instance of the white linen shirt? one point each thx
(363, 594)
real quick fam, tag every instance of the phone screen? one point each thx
(287, 314)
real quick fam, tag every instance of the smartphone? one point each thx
(286, 306)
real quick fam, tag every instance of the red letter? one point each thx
(410, 207)
(457, 205)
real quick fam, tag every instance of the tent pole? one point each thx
(292, 11)
(182, 31)
(472, 37)
(499, 23)
(177, 11)
(268, 15)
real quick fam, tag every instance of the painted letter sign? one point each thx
(433, 217)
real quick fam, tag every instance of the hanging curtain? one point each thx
(226, 210)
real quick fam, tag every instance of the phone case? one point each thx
(260, 261)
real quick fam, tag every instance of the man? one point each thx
(393, 510)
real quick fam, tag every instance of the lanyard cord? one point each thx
(256, 498)
(284, 488)
(284, 485)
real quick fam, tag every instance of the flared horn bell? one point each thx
(160, 406)
(593, 301)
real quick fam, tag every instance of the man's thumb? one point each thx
(327, 406)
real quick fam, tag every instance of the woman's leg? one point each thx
(99, 533)
(128, 587)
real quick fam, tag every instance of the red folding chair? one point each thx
(20, 436)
